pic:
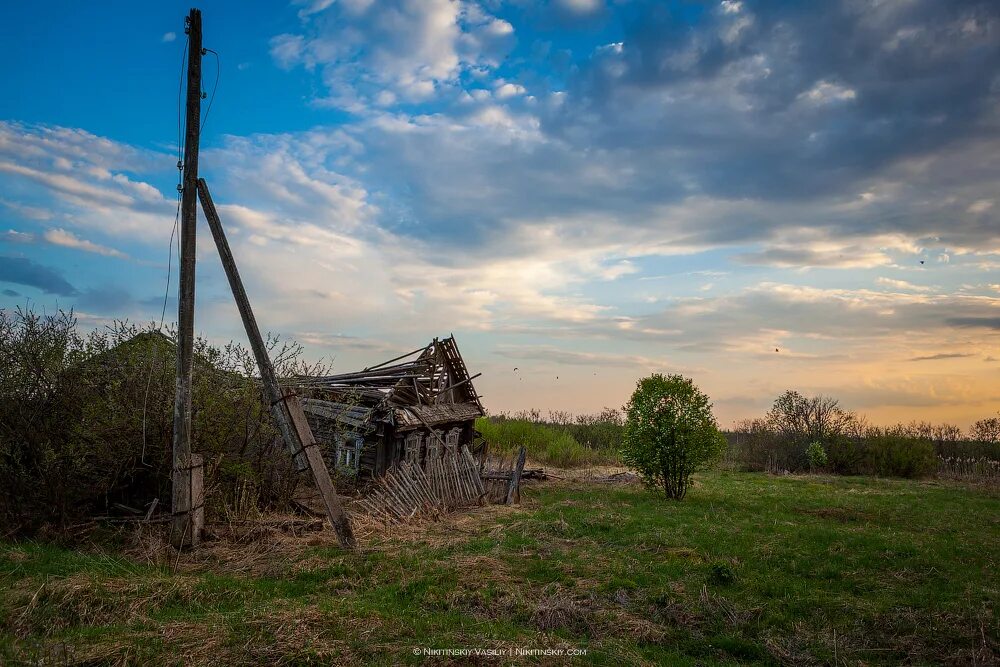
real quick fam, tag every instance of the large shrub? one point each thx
(86, 421)
(670, 433)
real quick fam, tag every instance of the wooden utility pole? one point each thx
(187, 505)
(285, 405)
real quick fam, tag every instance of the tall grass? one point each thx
(543, 443)
(975, 469)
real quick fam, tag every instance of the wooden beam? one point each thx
(183, 531)
(285, 406)
(457, 384)
(514, 488)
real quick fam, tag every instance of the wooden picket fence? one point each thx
(407, 490)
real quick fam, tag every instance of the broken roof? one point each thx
(424, 386)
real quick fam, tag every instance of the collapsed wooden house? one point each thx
(412, 408)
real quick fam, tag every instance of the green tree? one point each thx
(670, 433)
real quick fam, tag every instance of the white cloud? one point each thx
(415, 49)
(562, 357)
(14, 236)
(902, 285)
(287, 50)
(504, 90)
(168, 37)
(66, 239)
(581, 6)
(980, 206)
(826, 92)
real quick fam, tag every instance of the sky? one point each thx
(761, 195)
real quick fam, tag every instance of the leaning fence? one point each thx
(441, 485)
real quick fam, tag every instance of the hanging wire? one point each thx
(170, 246)
(218, 74)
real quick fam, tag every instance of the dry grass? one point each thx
(557, 609)
(83, 599)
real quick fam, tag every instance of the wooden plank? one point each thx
(335, 510)
(514, 489)
(286, 409)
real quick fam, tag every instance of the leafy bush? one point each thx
(883, 452)
(816, 455)
(670, 433)
(543, 443)
(87, 421)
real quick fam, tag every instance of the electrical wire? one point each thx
(170, 245)
(215, 87)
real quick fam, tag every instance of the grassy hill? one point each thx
(749, 569)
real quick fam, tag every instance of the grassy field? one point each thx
(749, 568)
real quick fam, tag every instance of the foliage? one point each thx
(86, 421)
(543, 443)
(780, 441)
(816, 455)
(801, 420)
(987, 430)
(602, 431)
(670, 433)
(885, 452)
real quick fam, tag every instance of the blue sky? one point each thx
(586, 190)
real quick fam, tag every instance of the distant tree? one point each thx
(947, 433)
(670, 433)
(938, 433)
(986, 430)
(803, 419)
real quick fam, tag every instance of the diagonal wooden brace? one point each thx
(285, 407)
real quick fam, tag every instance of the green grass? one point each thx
(749, 568)
(543, 443)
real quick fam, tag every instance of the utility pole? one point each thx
(188, 501)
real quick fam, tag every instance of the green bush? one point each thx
(543, 443)
(670, 433)
(883, 452)
(816, 455)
